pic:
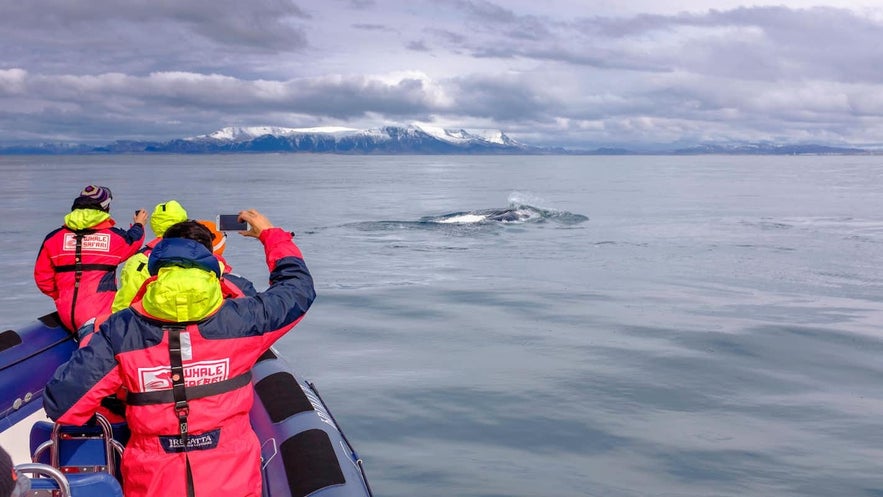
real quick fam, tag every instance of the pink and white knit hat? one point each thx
(94, 196)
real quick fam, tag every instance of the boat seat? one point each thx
(78, 445)
(87, 456)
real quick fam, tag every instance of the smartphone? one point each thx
(230, 222)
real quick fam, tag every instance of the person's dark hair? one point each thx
(192, 230)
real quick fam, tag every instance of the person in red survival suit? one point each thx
(77, 262)
(184, 353)
(232, 286)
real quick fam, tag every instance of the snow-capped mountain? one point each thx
(391, 139)
(240, 134)
(412, 139)
(415, 139)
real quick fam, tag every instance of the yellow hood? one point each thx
(80, 219)
(165, 215)
(183, 294)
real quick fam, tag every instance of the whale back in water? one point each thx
(481, 218)
(508, 215)
(511, 215)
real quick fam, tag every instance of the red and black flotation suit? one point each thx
(77, 267)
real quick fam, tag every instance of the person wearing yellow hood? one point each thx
(77, 262)
(185, 353)
(134, 272)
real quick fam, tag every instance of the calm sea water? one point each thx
(663, 326)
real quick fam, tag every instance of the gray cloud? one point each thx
(361, 4)
(190, 100)
(418, 46)
(56, 36)
(103, 70)
(372, 27)
(771, 43)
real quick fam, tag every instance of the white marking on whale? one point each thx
(490, 215)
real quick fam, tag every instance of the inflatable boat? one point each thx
(303, 450)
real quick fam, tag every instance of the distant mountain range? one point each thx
(336, 140)
(413, 139)
(769, 149)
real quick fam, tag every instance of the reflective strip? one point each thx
(220, 244)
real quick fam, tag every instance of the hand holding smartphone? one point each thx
(231, 222)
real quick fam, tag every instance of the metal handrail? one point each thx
(47, 470)
(111, 445)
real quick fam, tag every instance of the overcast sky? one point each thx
(553, 72)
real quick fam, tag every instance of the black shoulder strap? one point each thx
(179, 393)
(78, 268)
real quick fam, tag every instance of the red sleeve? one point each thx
(278, 244)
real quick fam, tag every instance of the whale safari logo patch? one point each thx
(196, 373)
(96, 242)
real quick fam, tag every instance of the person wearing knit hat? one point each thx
(183, 441)
(93, 196)
(76, 265)
(134, 272)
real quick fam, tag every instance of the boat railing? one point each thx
(39, 470)
(113, 449)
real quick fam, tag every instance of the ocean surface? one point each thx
(640, 326)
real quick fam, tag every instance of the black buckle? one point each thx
(182, 409)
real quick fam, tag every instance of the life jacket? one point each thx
(218, 340)
(133, 274)
(183, 292)
(76, 264)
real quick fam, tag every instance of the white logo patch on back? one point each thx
(197, 373)
(95, 242)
